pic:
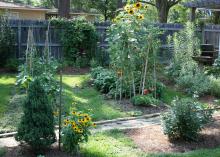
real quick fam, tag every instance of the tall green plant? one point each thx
(78, 38)
(183, 68)
(6, 42)
(37, 124)
(133, 44)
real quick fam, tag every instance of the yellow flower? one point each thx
(127, 7)
(138, 5)
(74, 113)
(131, 11)
(94, 125)
(145, 7)
(141, 17)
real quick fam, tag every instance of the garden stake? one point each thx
(60, 106)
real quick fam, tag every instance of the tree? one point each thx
(64, 8)
(37, 123)
(105, 7)
(163, 7)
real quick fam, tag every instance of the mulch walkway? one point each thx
(151, 139)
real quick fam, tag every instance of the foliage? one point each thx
(37, 124)
(12, 64)
(215, 86)
(6, 42)
(76, 130)
(105, 81)
(96, 71)
(215, 69)
(129, 51)
(2, 152)
(185, 119)
(144, 100)
(183, 69)
(78, 39)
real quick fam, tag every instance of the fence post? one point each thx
(19, 39)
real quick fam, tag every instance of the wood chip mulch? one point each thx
(152, 140)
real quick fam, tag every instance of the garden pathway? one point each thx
(121, 125)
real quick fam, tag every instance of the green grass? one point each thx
(197, 153)
(116, 144)
(88, 99)
(7, 83)
(110, 144)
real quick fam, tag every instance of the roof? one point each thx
(54, 11)
(8, 5)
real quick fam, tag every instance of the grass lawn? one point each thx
(78, 95)
(116, 144)
(6, 91)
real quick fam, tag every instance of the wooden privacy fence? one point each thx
(210, 35)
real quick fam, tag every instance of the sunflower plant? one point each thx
(133, 43)
(76, 129)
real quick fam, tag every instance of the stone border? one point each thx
(10, 134)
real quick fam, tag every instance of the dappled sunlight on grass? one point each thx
(87, 99)
(113, 143)
(7, 83)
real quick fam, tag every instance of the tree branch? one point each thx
(173, 2)
(150, 3)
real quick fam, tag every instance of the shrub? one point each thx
(78, 39)
(96, 71)
(144, 100)
(6, 41)
(105, 81)
(37, 124)
(215, 86)
(198, 83)
(185, 119)
(76, 130)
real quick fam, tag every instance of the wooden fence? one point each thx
(210, 33)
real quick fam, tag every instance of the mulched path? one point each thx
(25, 151)
(127, 106)
(151, 139)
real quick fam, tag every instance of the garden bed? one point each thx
(152, 140)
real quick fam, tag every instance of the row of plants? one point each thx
(133, 45)
(37, 78)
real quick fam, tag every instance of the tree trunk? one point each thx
(64, 8)
(163, 10)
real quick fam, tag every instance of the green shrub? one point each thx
(198, 83)
(6, 41)
(215, 69)
(185, 119)
(78, 39)
(37, 124)
(96, 71)
(215, 86)
(105, 81)
(144, 100)
(76, 130)
(12, 64)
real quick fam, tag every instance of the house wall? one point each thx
(23, 14)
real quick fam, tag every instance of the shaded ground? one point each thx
(127, 106)
(151, 139)
(75, 71)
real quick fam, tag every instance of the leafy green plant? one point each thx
(144, 100)
(215, 69)
(37, 124)
(105, 81)
(76, 130)
(78, 39)
(96, 71)
(183, 69)
(185, 119)
(6, 41)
